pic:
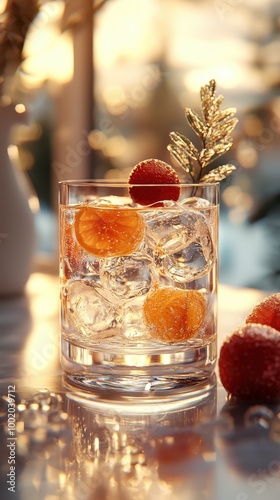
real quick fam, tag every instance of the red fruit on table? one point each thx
(153, 172)
(267, 312)
(249, 363)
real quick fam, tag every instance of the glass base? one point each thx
(109, 376)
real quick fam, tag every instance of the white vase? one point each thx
(17, 227)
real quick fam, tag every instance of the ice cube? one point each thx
(90, 267)
(128, 276)
(195, 203)
(196, 258)
(172, 231)
(166, 231)
(89, 309)
(133, 326)
(183, 243)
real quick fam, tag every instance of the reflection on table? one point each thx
(72, 448)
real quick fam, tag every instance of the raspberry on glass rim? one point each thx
(153, 171)
(249, 363)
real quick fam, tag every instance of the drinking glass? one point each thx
(138, 288)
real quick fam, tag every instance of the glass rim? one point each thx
(123, 183)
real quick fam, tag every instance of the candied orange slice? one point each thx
(109, 232)
(174, 315)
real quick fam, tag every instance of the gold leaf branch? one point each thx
(214, 129)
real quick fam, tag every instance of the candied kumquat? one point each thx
(109, 232)
(174, 315)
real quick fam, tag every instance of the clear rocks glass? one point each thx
(138, 288)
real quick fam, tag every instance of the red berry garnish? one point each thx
(267, 312)
(153, 172)
(249, 363)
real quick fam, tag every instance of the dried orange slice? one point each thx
(109, 232)
(174, 315)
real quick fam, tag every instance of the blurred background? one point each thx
(102, 83)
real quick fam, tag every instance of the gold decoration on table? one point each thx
(214, 129)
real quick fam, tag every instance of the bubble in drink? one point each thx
(89, 309)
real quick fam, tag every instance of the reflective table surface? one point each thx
(57, 445)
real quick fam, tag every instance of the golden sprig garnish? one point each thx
(214, 129)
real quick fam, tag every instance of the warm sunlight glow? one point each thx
(247, 154)
(34, 204)
(44, 29)
(55, 64)
(20, 108)
(244, 301)
(48, 53)
(13, 153)
(39, 41)
(232, 196)
(140, 39)
(41, 350)
(3, 4)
